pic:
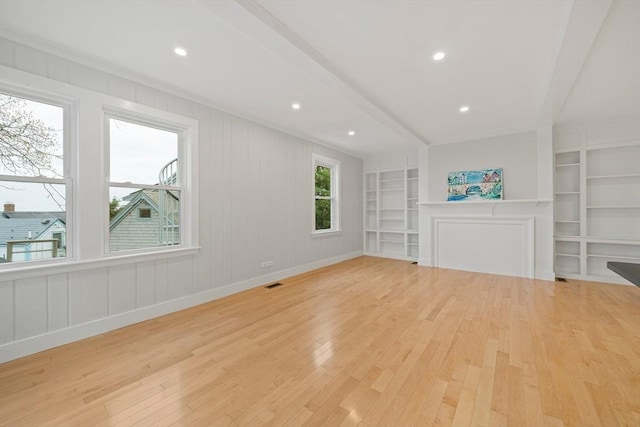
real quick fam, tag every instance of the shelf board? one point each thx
(613, 207)
(392, 180)
(392, 189)
(412, 209)
(630, 175)
(412, 178)
(567, 164)
(392, 241)
(399, 209)
(566, 237)
(564, 193)
(569, 255)
(613, 240)
(633, 258)
(568, 222)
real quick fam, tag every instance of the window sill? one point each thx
(25, 271)
(326, 233)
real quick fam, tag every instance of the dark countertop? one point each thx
(628, 270)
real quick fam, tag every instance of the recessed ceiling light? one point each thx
(439, 56)
(295, 106)
(352, 132)
(464, 108)
(180, 51)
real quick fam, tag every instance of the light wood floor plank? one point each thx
(367, 342)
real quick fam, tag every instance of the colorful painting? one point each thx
(475, 185)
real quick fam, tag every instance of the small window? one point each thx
(325, 204)
(144, 185)
(34, 178)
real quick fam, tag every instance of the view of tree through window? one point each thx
(33, 182)
(323, 197)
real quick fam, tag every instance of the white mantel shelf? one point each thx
(487, 202)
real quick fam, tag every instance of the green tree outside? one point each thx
(323, 189)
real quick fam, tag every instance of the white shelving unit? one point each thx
(391, 213)
(596, 209)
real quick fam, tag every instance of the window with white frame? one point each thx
(145, 184)
(68, 153)
(35, 181)
(326, 207)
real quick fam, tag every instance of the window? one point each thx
(144, 185)
(34, 178)
(66, 152)
(326, 208)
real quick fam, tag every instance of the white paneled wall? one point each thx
(255, 205)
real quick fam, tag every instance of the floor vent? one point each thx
(273, 285)
(414, 262)
(560, 279)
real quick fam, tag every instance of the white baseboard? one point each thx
(425, 262)
(31, 345)
(545, 275)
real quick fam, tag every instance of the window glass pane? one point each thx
(130, 228)
(33, 221)
(31, 138)
(323, 181)
(323, 214)
(142, 154)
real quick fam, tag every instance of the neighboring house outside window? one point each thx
(326, 204)
(34, 177)
(145, 180)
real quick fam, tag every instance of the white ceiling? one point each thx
(362, 65)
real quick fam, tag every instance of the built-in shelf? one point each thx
(597, 205)
(390, 224)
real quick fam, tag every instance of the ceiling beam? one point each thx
(584, 23)
(276, 36)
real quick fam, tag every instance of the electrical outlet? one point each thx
(266, 264)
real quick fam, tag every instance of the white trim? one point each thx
(488, 202)
(21, 348)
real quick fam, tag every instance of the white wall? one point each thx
(255, 206)
(515, 154)
(399, 159)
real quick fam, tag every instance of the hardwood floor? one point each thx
(366, 342)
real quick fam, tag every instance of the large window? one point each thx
(34, 179)
(326, 173)
(85, 176)
(145, 185)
